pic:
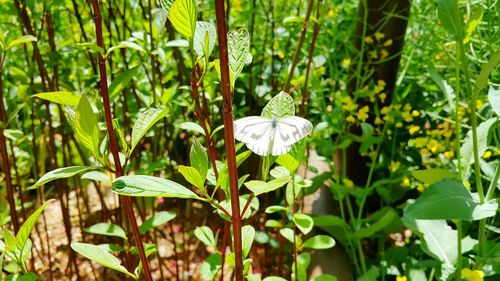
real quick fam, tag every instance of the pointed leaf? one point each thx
(145, 120)
(86, 126)
(60, 97)
(149, 186)
(21, 40)
(156, 220)
(450, 18)
(205, 235)
(494, 98)
(192, 176)
(204, 38)
(319, 242)
(121, 81)
(248, 235)
(60, 173)
(199, 159)
(25, 230)
(238, 44)
(107, 229)
(182, 15)
(166, 5)
(279, 106)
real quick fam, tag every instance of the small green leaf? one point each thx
(107, 229)
(204, 38)
(287, 233)
(21, 40)
(126, 44)
(192, 176)
(60, 97)
(199, 159)
(279, 106)
(100, 256)
(259, 187)
(96, 176)
(274, 209)
(182, 15)
(324, 277)
(156, 220)
(431, 176)
(274, 278)
(86, 126)
(10, 240)
(191, 126)
(145, 120)
(211, 266)
(24, 232)
(486, 69)
(60, 173)
(238, 44)
(205, 235)
(473, 22)
(319, 242)
(248, 235)
(303, 222)
(121, 81)
(149, 186)
(494, 98)
(450, 17)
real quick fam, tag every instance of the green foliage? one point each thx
(279, 106)
(107, 229)
(145, 120)
(158, 219)
(86, 127)
(61, 173)
(182, 15)
(60, 97)
(148, 186)
(121, 81)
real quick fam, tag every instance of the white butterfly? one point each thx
(277, 135)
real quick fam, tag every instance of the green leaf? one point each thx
(24, 232)
(238, 44)
(156, 220)
(303, 261)
(60, 173)
(450, 17)
(100, 256)
(372, 274)
(494, 98)
(335, 226)
(287, 233)
(467, 151)
(274, 278)
(126, 44)
(279, 106)
(121, 81)
(449, 199)
(248, 235)
(486, 69)
(145, 120)
(86, 126)
(96, 176)
(384, 221)
(60, 97)
(303, 222)
(204, 38)
(259, 187)
(473, 22)
(431, 176)
(319, 242)
(211, 266)
(182, 15)
(107, 229)
(274, 209)
(21, 40)
(324, 277)
(199, 159)
(166, 5)
(205, 235)
(10, 240)
(192, 176)
(191, 126)
(149, 186)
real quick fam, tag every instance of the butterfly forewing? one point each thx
(290, 130)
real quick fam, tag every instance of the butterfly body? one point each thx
(274, 136)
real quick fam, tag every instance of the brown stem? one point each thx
(299, 45)
(127, 202)
(229, 137)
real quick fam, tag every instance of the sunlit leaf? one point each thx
(107, 229)
(238, 44)
(61, 97)
(24, 232)
(86, 127)
(21, 40)
(248, 235)
(279, 106)
(182, 15)
(204, 38)
(199, 159)
(303, 222)
(258, 187)
(205, 235)
(149, 186)
(319, 242)
(192, 176)
(145, 120)
(156, 220)
(61, 173)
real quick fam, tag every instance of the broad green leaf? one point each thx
(384, 221)
(293, 159)
(96, 176)
(10, 240)
(211, 266)
(303, 222)
(145, 120)
(335, 226)
(467, 151)
(121, 81)
(319, 242)
(199, 159)
(205, 235)
(494, 98)
(248, 235)
(191, 126)
(24, 232)
(30, 276)
(192, 176)
(431, 176)
(238, 44)
(449, 200)
(450, 17)
(273, 223)
(86, 126)
(274, 209)
(279, 172)
(91, 46)
(166, 5)
(60, 97)
(100, 256)
(486, 69)
(107, 229)
(149, 186)
(21, 40)
(287, 233)
(204, 38)
(303, 261)
(156, 220)
(229, 260)
(274, 278)
(60, 173)
(324, 277)
(372, 274)
(182, 15)
(259, 187)
(279, 106)
(126, 44)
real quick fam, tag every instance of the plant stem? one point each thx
(229, 136)
(127, 202)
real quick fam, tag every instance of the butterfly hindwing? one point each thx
(290, 130)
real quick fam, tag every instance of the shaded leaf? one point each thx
(121, 81)
(156, 220)
(205, 235)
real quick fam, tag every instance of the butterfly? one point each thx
(271, 136)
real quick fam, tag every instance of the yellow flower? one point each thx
(433, 145)
(405, 182)
(348, 183)
(449, 154)
(351, 119)
(385, 110)
(413, 129)
(363, 113)
(388, 43)
(401, 278)
(415, 113)
(472, 275)
(378, 121)
(487, 154)
(379, 35)
(373, 54)
(345, 63)
(368, 40)
(383, 54)
(394, 165)
(407, 116)
(382, 97)
(479, 104)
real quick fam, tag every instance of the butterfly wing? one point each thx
(255, 132)
(290, 130)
